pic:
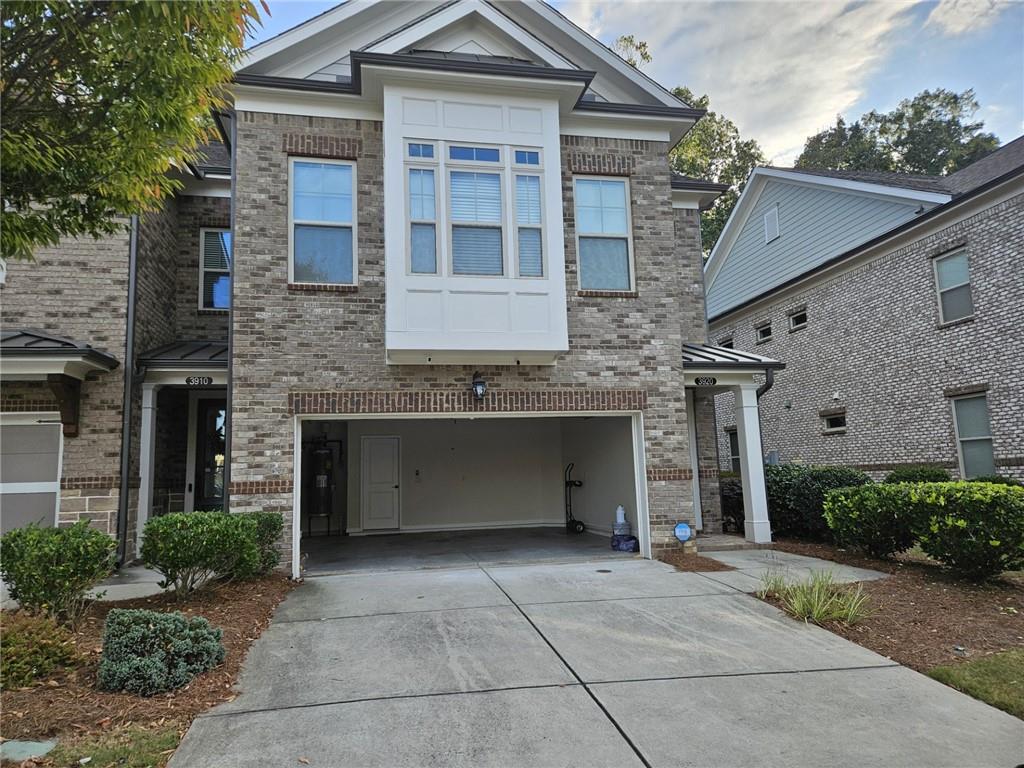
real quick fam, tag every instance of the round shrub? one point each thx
(796, 497)
(975, 529)
(51, 570)
(997, 479)
(266, 530)
(33, 647)
(147, 652)
(918, 474)
(191, 548)
(874, 518)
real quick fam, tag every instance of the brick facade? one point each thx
(874, 345)
(316, 352)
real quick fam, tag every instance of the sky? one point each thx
(782, 70)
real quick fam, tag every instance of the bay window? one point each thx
(603, 234)
(322, 222)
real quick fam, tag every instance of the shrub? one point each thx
(148, 652)
(874, 518)
(796, 495)
(266, 530)
(975, 529)
(997, 479)
(33, 647)
(819, 599)
(918, 474)
(51, 570)
(191, 548)
(730, 489)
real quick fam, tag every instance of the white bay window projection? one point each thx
(458, 207)
(322, 231)
(603, 234)
(214, 268)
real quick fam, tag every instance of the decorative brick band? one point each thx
(669, 473)
(462, 401)
(708, 474)
(608, 294)
(319, 145)
(254, 487)
(90, 482)
(27, 406)
(316, 288)
(604, 164)
(1010, 461)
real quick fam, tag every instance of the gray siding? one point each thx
(815, 225)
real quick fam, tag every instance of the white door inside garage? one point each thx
(30, 454)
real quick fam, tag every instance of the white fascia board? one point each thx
(616, 127)
(31, 367)
(249, 98)
(165, 376)
(408, 37)
(691, 199)
(211, 186)
(848, 185)
(642, 81)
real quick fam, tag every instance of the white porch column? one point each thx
(147, 457)
(755, 500)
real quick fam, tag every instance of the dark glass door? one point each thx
(209, 493)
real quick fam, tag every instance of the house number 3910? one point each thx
(198, 381)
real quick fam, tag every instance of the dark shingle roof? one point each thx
(921, 183)
(26, 341)
(213, 157)
(681, 181)
(187, 354)
(1007, 158)
(706, 356)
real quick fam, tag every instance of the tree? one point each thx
(99, 100)
(713, 150)
(635, 52)
(933, 133)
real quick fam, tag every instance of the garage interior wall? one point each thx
(475, 473)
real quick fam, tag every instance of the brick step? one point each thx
(724, 542)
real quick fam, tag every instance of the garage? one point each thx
(417, 492)
(30, 455)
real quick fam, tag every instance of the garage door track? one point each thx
(606, 663)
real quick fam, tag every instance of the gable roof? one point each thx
(1004, 160)
(882, 178)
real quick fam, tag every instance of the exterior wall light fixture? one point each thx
(479, 386)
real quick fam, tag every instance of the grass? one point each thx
(997, 680)
(131, 747)
(818, 600)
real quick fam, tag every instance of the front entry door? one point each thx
(209, 454)
(380, 474)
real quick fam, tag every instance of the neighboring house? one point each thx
(439, 256)
(896, 303)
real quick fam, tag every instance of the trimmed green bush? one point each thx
(796, 496)
(918, 474)
(997, 479)
(191, 548)
(874, 518)
(147, 652)
(975, 529)
(50, 570)
(33, 647)
(267, 527)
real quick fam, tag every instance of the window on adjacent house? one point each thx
(771, 224)
(798, 320)
(763, 332)
(214, 268)
(422, 220)
(726, 342)
(834, 422)
(323, 225)
(953, 280)
(603, 232)
(528, 226)
(974, 436)
(734, 450)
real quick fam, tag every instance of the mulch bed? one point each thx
(688, 562)
(69, 703)
(923, 617)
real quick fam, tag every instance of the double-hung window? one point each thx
(953, 280)
(529, 236)
(423, 221)
(603, 234)
(214, 268)
(476, 210)
(322, 207)
(974, 436)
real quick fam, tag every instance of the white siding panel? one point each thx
(815, 225)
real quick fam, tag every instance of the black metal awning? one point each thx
(187, 355)
(705, 357)
(27, 343)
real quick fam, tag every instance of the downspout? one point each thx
(126, 403)
(769, 382)
(228, 419)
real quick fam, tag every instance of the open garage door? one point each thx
(30, 455)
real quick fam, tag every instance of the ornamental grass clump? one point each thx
(818, 600)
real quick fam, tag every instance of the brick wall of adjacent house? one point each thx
(874, 346)
(195, 213)
(77, 290)
(622, 350)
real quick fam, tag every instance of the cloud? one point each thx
(781, 70)
(958, 17)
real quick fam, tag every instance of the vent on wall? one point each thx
(771, 224)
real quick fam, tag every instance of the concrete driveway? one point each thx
(606, 663)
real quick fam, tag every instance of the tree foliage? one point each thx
(99, 100)
(634, 52)
(933, 133)
(713, 150)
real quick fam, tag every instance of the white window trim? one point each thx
(726, 342)
(499, 167)
(795, 326)
(292, 221)
(758, 339)
(956, 429)
(940, 290)
(202, 265)
(630, 260)
(423, 164)
(827, 430)
(528, 170)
